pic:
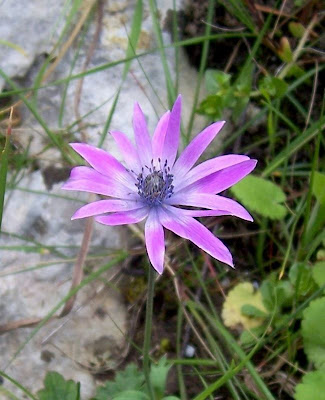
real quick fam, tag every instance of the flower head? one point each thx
(154, 185)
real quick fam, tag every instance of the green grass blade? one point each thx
(156, 25)
(295, 145)
(3, 172)
(90, 278)
(21, 387)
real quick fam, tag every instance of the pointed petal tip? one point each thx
(158, 268)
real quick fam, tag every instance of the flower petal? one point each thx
(228, 206)
(189, 228)
(105, 206)
(173, 133)
(155, 243)
(142, 137)
(123, 218)
(87, 179)
(159, 135)
(221, 180)
(104, 163)
(205, 213)
(128, 151)
(207, 168)
(194, 150)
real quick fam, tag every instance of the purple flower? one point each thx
(154, 185)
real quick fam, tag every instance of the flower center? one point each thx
(155, 186)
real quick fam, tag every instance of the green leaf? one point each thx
(4, 155)
(158, 376)
(248, 338)
(252, 311)
(312, 386)
(296, 29)
(313, 332)
(240, 295)
(270, 86)
(319, 187)
(130, 395)
(57, 388)
(131, 379)
(212, 107)
(285, 52)
(217, 82)
(300, 276)
(262, 196)
(318, 273)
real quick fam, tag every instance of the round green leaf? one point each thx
(131, 395)
(313, 332)
(262, 196)
(312, 386)
(318, 273)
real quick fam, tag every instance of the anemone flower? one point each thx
(157, 187)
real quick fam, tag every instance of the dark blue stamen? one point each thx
(155, 186)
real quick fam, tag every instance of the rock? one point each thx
(34, 273)
(33, 283)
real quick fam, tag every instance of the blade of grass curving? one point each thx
(73, 63)
(53, 138)
(310, 223)
(181, 382)
(203, 63)
(315, 129)
(216, 324)
(175, 39)
(219, 357)
(68, 23)
(133, 39)
(239, 10)
(4, 156)
(105, 66)
(13, 46)
(261, 113)
(16, 383)
(90, 278)
(156, 25)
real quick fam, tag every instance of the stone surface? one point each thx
(87, 340)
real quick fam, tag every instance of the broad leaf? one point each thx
(318, 273)
(158, 376)
(319, 187)
(131, 395)
(57, 388)
(262, 196)
(313, 332)
(242, 294)
(312, 386)
(129, 379)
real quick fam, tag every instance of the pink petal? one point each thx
(159, 135)
(128, 151)
(221, 180)
(142, 137)
(194, 150)
(205, 213)
(105, 206)
(104, 163)
(204, 200)
(154, 234)
(86, 179)
(207, 168)
(189, 228)
(173, 133)
(123, 218)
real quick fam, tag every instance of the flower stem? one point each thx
(147, 331)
